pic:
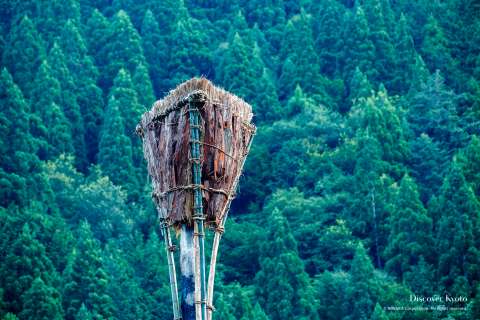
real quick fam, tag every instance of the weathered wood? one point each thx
(216, 240)
(226, 130)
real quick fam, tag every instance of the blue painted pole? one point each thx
(187, 270)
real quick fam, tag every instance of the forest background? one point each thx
(362, 187)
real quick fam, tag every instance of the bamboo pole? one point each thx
(218, 235)
(171, 269)
(198, 217)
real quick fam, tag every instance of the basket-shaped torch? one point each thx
(195, 141)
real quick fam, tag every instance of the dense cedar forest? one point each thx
(361, 190)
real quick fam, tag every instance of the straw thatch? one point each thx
(226, 130)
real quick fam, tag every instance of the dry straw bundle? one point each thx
(226, 132)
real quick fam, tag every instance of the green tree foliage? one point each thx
(64, 180)
(241, 241)
(240, 70)
(151, 265)
(469, 160)
(457, 231)
(54, 15)
(433, 111)
(124, 92)
(337, 247)
(7, 12)
(189, 55)
(359, 87)
(360, 289)
(88, 95)
(224, 311)
(297, 102)
(97, 32)
(270, 16)
(24, 52)
(10, 316)
(334, 285)
(53, 127)
(421, 278)
(470, 106)
(83, 314)
(258, 313)
(45, 224)
(239, 26)
(125, 95)
(237, 303)
(359, 49)
(367, 213)
(378, 313)
(143, 86)
(327, 31)
(332, 248)
(376, 161)
(359, 294)
(2, 304)
(167, 13)
(25, 260)
(103, 205)
(41, 302)
(123, 49)
(19, 165)
(379, 25)
(266, 106)
(410, 231)
(405, 56)
(126, 293)
(94, 199)
(291, 143)
(115, 151)
(58, 133)
(281, 277)
(347, 164)
(68, 101)
(301, 65)
(435, 47)
(47, 88)
(134, 11)
(86, 280)
(155, 50)
(428, 163)
(420, 75)
(474, 306)
(379, 118)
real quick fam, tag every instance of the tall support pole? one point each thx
(198, 218)
(218, 235)
(171, 268)
(187, 269)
